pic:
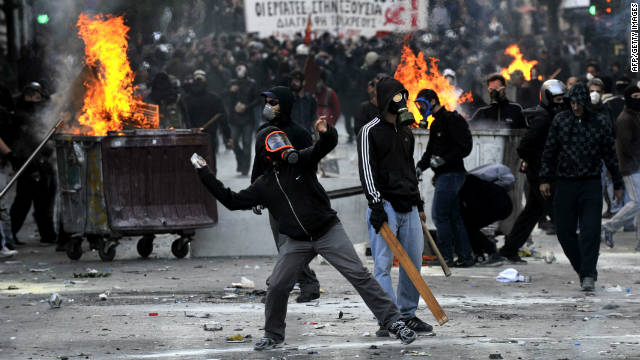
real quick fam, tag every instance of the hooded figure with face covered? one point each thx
(501, 112)
(289, 188)
(242, 98)
(578, 142)
(277, 109)
(388, 176)
(37, 184)
(202, 106)
(628, 151)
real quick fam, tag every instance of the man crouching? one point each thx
(290, 190)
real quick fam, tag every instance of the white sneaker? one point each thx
(4, 252)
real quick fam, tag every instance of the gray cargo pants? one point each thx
(336, 247)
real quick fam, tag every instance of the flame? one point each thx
(109, 103)
(415, 75)
(518, 63)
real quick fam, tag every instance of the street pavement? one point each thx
(548, 318)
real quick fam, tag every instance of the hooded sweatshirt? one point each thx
(577, 146)
(291, 193)
(299, 137)
(628, 134)
(385, 156)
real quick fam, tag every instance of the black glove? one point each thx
(378, 216)
(436, 161)
(419, 173)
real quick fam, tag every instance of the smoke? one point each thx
(64, 57)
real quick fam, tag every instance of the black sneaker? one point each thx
(382, 332)
(588, 284)
(266, 343)
(402, 332)
(494, 259)
(417, 325)
(303, 298)
(516, 260)
(464, 264)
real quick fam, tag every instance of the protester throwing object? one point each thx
(289, 188)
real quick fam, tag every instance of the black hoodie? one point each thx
(385, 156)
(299, 137)
(576, 146)
(292, 193)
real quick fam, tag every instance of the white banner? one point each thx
(346, 18)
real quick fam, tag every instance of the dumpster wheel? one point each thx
(145, 245)
(180, 247)
(107, 250)
(74, 249)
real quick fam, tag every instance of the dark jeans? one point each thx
(579, 202)
(336, 247)
(41, 194)
(307, 279)
(480, 244)
(535, 210)
(447, 218)
(242, 135)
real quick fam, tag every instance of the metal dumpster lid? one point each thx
(72, 137)
(493, 132)
(153, 132)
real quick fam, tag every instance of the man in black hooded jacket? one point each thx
(501, 112)
(449, 143)
(579, 140)
(387, 174)
(278, 104)
(308, 224)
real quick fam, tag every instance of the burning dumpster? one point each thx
(134, 182)
(118, 174)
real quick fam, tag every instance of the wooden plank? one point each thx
(413, 274)
(436, 251)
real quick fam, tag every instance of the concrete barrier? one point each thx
(243, 233)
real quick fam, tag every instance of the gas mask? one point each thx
(595, 97)
(278, 146)
(398, 105)
(495, 95)
(425, 110)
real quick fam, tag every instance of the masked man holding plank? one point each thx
(387, 174)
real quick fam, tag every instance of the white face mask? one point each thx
(590, 76)
(595, 97)
(241, 71)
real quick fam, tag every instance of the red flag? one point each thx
(307, 32)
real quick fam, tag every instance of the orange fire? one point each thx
(518, 63)
(109, 103)
(415, 75)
